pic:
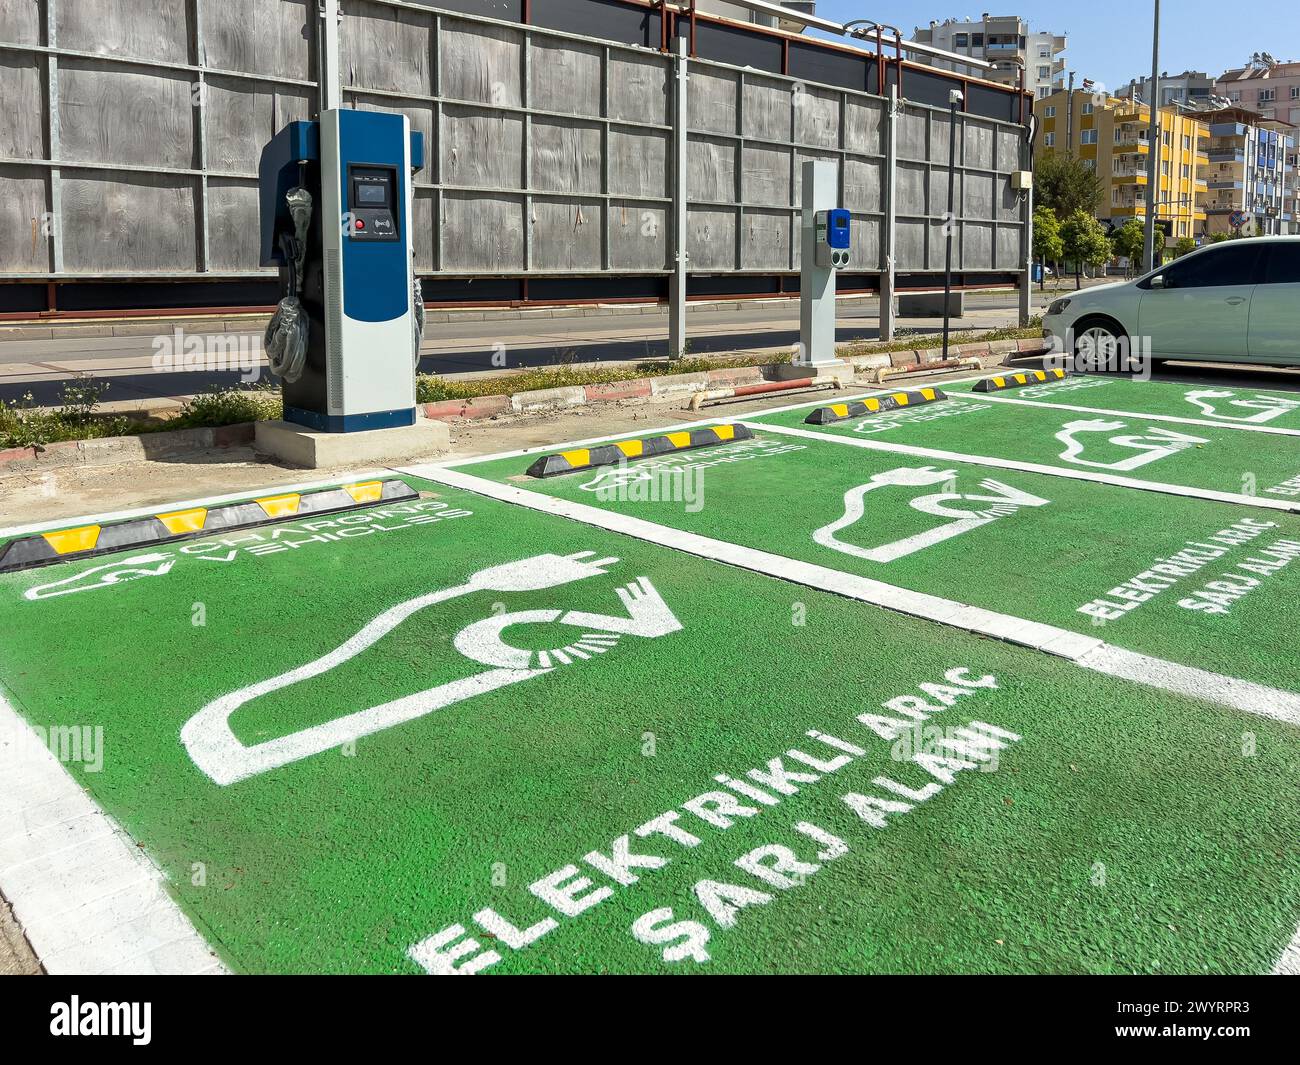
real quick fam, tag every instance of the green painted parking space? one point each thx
(1202, 583)
(1248, 407)
(1194, 456)
(455, 732)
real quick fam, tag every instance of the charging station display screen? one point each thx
(372, 195)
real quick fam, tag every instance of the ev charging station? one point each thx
(826, 247)
(336, 219)
(335, 197)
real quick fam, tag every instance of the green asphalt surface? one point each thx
(1043, 563)
(1127, 830)
(1229, 405)
(1194, 456)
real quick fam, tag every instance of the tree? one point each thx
(1085, 243)
(1064, 185)
(1047, 240)
(1185, 246)
(1129, 241)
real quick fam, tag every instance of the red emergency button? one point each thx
(360, 224)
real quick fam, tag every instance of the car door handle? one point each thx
(1235, 300)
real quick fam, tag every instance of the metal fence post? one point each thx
(55, 221)
(677, 341)
(891, 229)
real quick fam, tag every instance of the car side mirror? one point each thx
(1158, 281)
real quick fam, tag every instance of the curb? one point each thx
(110, 450)
(91, 541)
(119, 449)
(580, 459)
(838, 412)
(1020, 379)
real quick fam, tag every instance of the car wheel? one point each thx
(1101, 345)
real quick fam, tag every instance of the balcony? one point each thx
(1130, 177)
(1132, 147)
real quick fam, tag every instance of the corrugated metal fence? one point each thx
(131, 131)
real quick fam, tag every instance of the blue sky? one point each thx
(1110, 40)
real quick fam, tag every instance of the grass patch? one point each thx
(254, 403)
(25, 425)
(915, 339)
(433, 388)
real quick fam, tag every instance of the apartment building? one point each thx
(1265, 86)
(1007, 41)
(1252, 172)
(1192, 87)
(1112, 136)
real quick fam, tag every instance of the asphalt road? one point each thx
(41, 367)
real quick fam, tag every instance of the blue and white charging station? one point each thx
(825, 247)
(336, 219)
(832, 234)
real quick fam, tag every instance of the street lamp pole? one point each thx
(1153, 154)
(955, 99)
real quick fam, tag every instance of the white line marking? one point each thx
(1085, 651)
(1194, 683)
(824, 401)
(1031, 467)
(206, 501)
(361, 475)
(1289, 963)
(981, 397)
(87, 898)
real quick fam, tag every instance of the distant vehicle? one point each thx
(1237, 301)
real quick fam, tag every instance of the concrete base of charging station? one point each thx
(834, 370)
(300, 446)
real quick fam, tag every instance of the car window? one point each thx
(1283, 264)
(1233, 264)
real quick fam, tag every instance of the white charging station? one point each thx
(826, 247)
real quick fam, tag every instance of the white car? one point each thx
(1236, 301)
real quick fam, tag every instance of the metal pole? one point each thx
(1153, 156)
(887, 277)
(1026, 293)
(331, 86)
(1069, 118)
(677, 341)
(950, 222)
